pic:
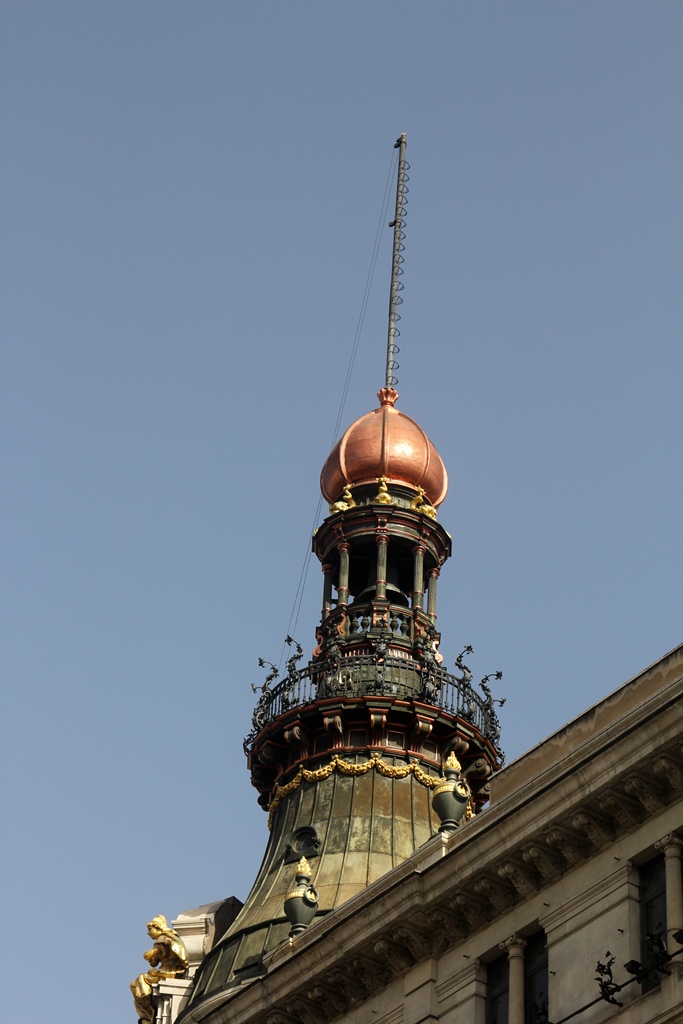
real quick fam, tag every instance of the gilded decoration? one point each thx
(419, 504)
(451, 763)
(345, 502)
(383, 497)
(167, 959)
(304, 868)
(375, 763)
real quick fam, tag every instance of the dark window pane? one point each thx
(497, 984)
(536, 979)
(652, 911)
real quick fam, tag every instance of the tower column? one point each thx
(343, 588)
(382, 546)
(328, 571)
(417, 597)
(431, 598)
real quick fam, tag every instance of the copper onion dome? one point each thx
(385, 443)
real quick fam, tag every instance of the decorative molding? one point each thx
(475, 910)
(499, 895)
(371, 974)
(650, 795)
(418, 942)
(378, 724)
(479, 768)
(375, 763)
(600, 832)
(513, 942)
(571, 845)
(330, 1002)
(670, 841)
(298, 738)
(280, 1017)
(348, 986)
(446, 930)
(421, 729)
(397, 956)
(302, 1011)
(335, 727)
(625, 811)
(671, 770)
(549, 865)
(522, 879)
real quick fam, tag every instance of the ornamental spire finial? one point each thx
(395, 299)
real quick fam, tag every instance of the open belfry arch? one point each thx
(385, 895)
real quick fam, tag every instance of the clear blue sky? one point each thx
(189, 199)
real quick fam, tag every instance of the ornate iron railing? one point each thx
(381, 674)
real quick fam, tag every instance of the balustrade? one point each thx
(356, 675)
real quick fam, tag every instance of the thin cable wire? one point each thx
(299, 595)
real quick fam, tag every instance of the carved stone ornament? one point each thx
(668, 841)
(330, 1002)
(499, 895)
(372, 974)
(280, 1017)
(523, 880)
(397, 957)
(650, 795)
(549, 865)
(417, 941)
(446, 930)
(475, 910)
(513, 942)
(303, 1012)
(571, 845)
(600, 833)
(625, 811)
(347, 985)
(671, 770)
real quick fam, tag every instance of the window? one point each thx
(652, 912)
(536, 979)
(530, 988)
(497, 986)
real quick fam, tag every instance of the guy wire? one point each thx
(299, 595)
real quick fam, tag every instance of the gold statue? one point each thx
(383, 497)
(346, 501)
(167, 959)
(418, 504)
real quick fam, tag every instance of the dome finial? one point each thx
(387, 396)
(397, 259)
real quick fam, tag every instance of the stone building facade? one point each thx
(575, 859)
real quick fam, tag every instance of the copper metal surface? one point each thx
(385, 442)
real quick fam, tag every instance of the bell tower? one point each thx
(347, 750)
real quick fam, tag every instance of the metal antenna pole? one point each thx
(395, 299)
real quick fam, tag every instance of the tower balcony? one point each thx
(377, 674)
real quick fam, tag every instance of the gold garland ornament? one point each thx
(375, 763)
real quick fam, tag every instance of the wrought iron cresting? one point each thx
(657, 962)
(379, 674)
